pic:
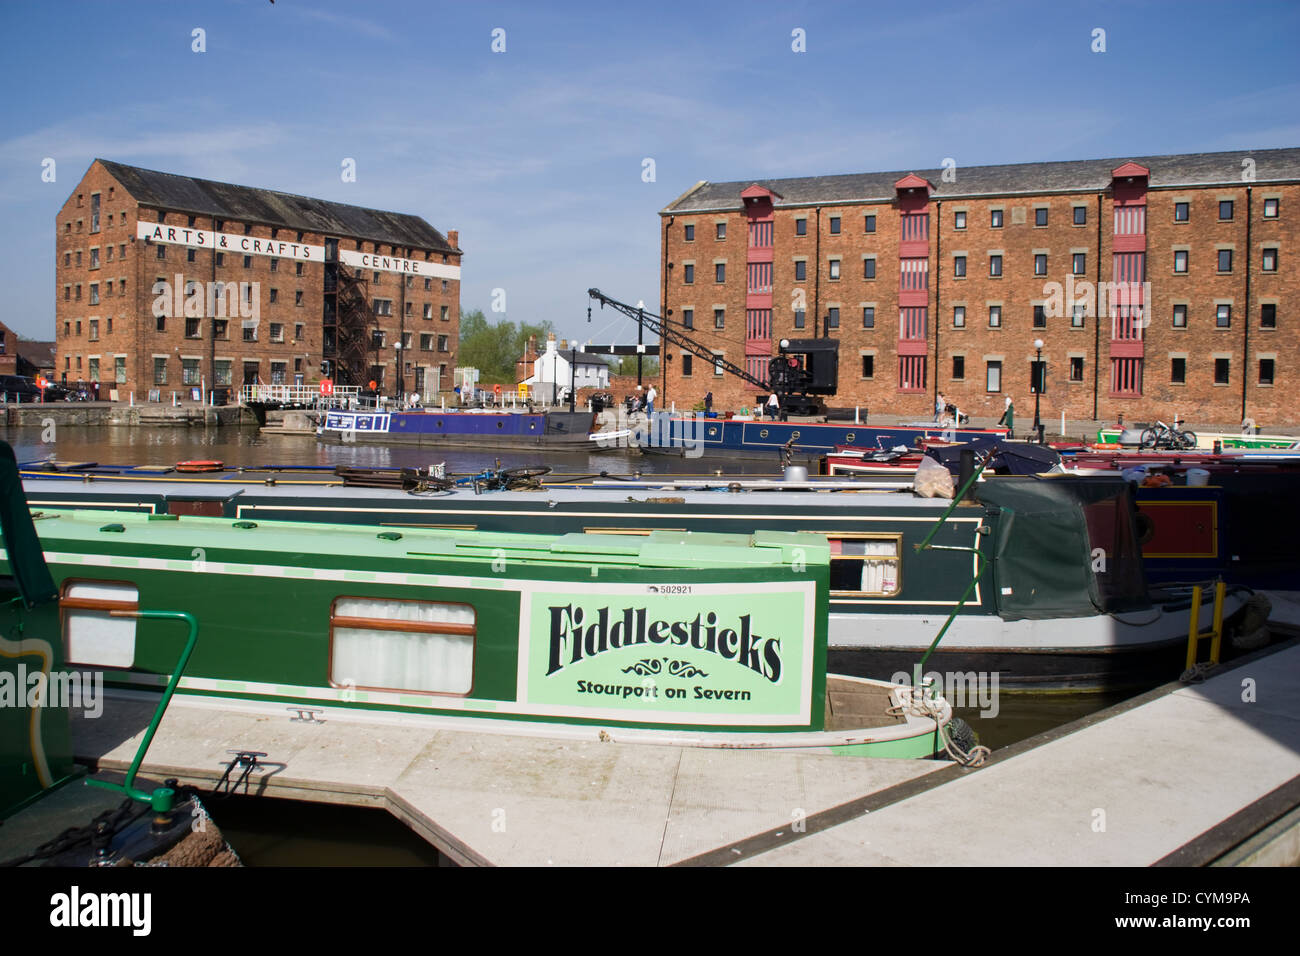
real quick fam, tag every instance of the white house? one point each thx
(558, 369)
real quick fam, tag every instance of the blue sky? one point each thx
(535, 154)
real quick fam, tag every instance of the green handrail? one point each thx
(981, 562)
(161, 798)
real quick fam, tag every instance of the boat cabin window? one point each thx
(865, 564)
(392, 645)
(92, 636)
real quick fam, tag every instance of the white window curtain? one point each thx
(94, 638)
(403, 660)
(879, 564)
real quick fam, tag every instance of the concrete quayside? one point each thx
(1188, 774)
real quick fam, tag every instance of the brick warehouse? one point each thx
(334, 283)
(941, 284)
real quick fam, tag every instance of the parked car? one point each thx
(19, 388)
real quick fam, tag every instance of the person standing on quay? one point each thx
(1009, 417)
(940, 406)
(650, 397)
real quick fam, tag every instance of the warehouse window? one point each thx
(868, 317)
(1080, 215)
(868, 366)
(1223, 316)
(958, 368)
(959, 220)
(870, 224)
(995, 218)
(1271, 208)
(688, 318)
(1180, 316)
(1222, 366)
(1269, 263)
(1040, 217)
(959, 316)
(1040, 264)
(835, 225)
(1178, 371)
(995, 265)
(1268, 316)
(400, 645)
(993, 377)
(801, 227)
(1180, 261)
(1266, 371)
(1225, 210)
(1182, 212)
(689, 230)
(1225, 260)
(1076, 368)
(160, 371)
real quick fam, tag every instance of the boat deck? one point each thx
(853, 704)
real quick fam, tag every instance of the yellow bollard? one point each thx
(1219, 591)
(1194, 628)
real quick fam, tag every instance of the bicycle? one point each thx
(1163, 437)
(493, 479)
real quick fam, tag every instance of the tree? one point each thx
(626, 365)
(494, 347)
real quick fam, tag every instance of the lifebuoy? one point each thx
(496, 389)
(199, 466)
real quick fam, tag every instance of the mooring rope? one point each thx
(921, 706)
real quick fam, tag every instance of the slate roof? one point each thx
(204, 197)
(1084, 175)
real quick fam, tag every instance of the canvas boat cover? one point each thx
(1064, 547)
(18, 536)
(1009, 458)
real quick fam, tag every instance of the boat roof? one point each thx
(118, 531)
(702, 493)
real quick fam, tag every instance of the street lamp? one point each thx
(1038, 387)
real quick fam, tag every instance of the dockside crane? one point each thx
(804, 370)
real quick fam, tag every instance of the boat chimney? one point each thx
(796, 473)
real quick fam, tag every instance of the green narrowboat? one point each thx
(670, 637)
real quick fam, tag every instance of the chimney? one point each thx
(453, 238)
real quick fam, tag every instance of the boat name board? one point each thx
(691, 652)
(358, 421)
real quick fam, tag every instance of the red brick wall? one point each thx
(1017, 290)
(134, 328)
